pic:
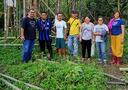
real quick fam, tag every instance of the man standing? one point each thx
(60, 27)
(44, 27)
(74, 24)
(28, 35)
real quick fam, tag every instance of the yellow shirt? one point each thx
(75, 27)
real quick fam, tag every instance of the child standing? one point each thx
(100, 32)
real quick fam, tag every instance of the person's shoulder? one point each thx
(25, 18)
(121, 20)
(96, 25)
(48, 19)
(63, 21)
(91, 23)
(39, 19)
(105, 25)
(78, 19)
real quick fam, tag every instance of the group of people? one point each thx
(74, 32)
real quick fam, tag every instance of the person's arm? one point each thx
(96, 33)
(53, 29)
(22, 34)
(81, 27)
(65, 31)
(23, 25)
(123, 28)
(93, 37)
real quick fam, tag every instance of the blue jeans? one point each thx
(28, 46)
(101, 49)
(73, 45)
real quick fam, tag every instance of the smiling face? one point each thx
(86, 19)
(44, 16)
(31, 14)
(100, 21)
(117, 15)
(59, 17)
(74, 14)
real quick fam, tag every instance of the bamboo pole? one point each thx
(27, 84)
(118, 4)
(111, 76)
(5, 20)
(8, 38)
(58, 6)
(9, 84)
(123, 69)
(48, 7)
(24, 8)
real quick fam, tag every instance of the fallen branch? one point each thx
(9, 84)
(111, 76)
(123, 69)
(27, 84)
(116, 83)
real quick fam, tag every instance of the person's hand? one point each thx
(93, 41)
(122, 41)
(98, 34)
(80, 40)
(65, 37)
(78, 36)
(22, 38)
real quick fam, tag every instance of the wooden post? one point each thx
(5, 19)
(58, 6)
(24, 8)
(34, 4)
(73, 3)
(118, 5)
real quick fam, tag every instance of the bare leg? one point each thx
(64, 52)
(59, 51)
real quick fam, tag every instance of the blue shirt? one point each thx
(116, 27)
(44, 28)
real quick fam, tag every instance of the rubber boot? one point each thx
(118, 61)
(113, 60)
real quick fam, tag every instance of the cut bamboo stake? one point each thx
(27, 84)
(117, 83)
(8, 37)
(123, 69)
(111, 76)
(9, 84)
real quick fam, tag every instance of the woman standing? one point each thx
(86, 35)
(100, 32)
(117, 38)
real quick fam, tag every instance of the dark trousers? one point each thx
(45, 43)
(86, 46)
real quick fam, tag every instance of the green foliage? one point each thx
(52, 75)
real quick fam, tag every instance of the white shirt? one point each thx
(60, 27)
(100, 29)
(86, 31)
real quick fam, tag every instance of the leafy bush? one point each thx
(50, 75)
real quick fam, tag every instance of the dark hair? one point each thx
(59, 13)
(85, 17)
(100, 17)
(117, 11)
(44, 12)
(74, 12)
(30, 10)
